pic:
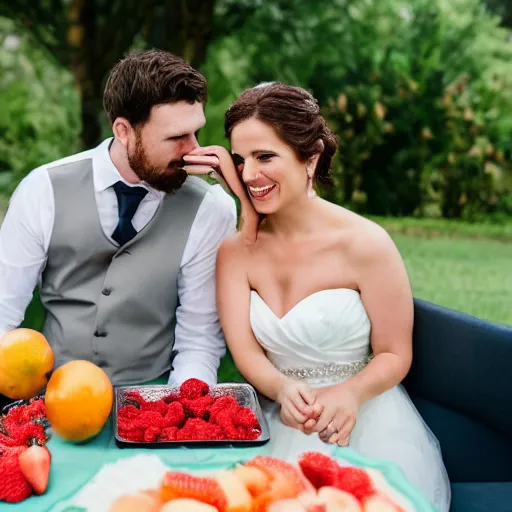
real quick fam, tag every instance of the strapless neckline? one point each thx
(302, 301)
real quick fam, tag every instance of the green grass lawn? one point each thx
(460, 266)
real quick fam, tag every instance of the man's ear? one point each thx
(122, 129)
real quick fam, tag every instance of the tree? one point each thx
(90, 36)
(502, 8)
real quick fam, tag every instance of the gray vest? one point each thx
(114, 306)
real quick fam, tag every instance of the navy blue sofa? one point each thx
(461, 383)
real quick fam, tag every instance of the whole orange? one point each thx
(25, 359)
(78, 400)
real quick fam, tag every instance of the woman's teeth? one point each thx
(260, 192)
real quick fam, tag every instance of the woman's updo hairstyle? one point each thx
(295, 116)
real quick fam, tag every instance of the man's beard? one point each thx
(166, 180)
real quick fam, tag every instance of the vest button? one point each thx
(106, 291)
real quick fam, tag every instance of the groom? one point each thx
(121, 241)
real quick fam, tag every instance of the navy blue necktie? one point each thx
(128, 199)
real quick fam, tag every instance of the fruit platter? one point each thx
(314, 483)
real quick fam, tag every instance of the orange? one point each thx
(25, 359)
(78, 400)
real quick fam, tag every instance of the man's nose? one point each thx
(191, 144)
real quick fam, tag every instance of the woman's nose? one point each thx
(250, 172)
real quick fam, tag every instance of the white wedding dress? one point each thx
(325, 339)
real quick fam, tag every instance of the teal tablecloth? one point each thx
(73, 465)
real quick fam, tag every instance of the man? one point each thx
(121, 241)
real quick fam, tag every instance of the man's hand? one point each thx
(298, 405)
(338, 418)
(217, 160)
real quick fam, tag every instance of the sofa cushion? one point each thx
(472, 452)
(482, 497)
(462, 363)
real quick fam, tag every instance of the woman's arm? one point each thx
(233, 304)
(387, 298)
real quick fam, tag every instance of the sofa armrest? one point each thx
(462, 363)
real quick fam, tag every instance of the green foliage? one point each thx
(424, 123)
(39, 119)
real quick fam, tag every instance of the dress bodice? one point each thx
(329, 328)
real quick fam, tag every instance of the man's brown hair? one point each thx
(144, 79)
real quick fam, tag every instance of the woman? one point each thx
(314, 300)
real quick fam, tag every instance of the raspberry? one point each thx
(159, 406)
(244, 417)
(197, 408)
(175, 416)
(222, 403)
(152, 434)
(194, 388)
(194, 429)
(149, 419)
(169, 434)
(128, 411)
(136, 436)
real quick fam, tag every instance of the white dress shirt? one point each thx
(26, 232)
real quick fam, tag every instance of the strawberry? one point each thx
(355, 481)
(177, 485)
(35, 465)
(321, 470)
(13, 484)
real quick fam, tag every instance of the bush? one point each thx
(39, 118)
(424, 123)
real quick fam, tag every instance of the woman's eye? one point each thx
(265, 157)
(238, 161)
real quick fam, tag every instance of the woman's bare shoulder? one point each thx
(362, 237)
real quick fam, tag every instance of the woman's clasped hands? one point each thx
(330, 411)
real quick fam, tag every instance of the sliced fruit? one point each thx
(138, 502)
(187, 505)
(379, 503)
(277, 468)
(290, 505)
(177, 485)
(254, 479)
(238, 497)
(336, 500)
(35, 465)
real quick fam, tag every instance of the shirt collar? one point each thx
(106, 173)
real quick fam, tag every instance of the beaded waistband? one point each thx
(329, 371)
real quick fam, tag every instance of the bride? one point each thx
(314, 300)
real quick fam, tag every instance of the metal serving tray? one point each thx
(245, 395)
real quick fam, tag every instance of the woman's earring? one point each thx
(311, 190)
